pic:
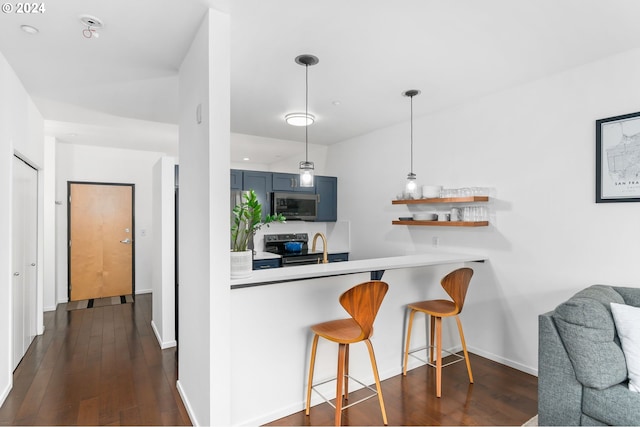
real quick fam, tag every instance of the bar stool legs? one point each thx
(464, 349)
(436, 334)
(312, 364)
(374, 365)
(455, 284)
(342, 379)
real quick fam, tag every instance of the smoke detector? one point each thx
(93, 24)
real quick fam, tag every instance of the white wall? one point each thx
(21, 132)
(49, 229)
(260, 151)
(204, 293)
(163, 260)
(535, 144)
(109, 165)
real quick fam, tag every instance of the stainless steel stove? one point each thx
(277, 244)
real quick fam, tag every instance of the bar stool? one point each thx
(455, 284)
(362, 303)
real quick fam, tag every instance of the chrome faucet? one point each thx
(325, 260)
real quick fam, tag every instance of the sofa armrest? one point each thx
(559, 392)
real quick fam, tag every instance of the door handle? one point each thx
(126, 241)
(33, 264)
(17, 273)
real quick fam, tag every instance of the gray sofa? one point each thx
(582, 373)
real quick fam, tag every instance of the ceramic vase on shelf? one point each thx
(241, 264)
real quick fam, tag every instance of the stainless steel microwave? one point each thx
(300, 206)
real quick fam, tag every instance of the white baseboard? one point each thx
(49, 308)
(280, 413)
(6, 391)
(187, 404)
(163, 344)
(143, 291)
(504, 361)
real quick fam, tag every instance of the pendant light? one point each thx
(410, 187)
(306, 167)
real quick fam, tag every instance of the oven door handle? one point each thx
(301, 261)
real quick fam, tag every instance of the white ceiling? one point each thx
(121, 88)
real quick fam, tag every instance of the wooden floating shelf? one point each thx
(443, 223)
(468, 199)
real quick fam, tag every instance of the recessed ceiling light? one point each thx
(29, 29)
(299, 119)
(246, 159)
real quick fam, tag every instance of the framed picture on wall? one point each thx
(618, 159)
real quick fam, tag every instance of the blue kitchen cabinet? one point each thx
(236, 179)
(341, 257)
(262, 264)
(327, 191)
(289, 182)
(260, 182)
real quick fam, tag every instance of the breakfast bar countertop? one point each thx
(290, 274)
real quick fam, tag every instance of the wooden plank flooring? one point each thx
(103, 366)
(499, 396)
(98, 366)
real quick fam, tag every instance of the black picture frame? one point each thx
(618, 159)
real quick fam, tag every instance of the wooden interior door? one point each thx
(101, 240)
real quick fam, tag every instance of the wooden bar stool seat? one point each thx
(362, 303)
(456, 285)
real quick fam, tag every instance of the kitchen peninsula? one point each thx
(373, 265)
(275, 307)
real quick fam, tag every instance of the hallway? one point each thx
(98, 366)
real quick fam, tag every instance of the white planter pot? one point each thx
(241, 264)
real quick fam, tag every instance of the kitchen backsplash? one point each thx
(337, 233)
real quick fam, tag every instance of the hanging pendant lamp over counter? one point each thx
(306, 167)
(411, 186)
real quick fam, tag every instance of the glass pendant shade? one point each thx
(411, 185)
(306, 174)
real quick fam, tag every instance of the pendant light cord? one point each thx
(306, 112)
(411, 127)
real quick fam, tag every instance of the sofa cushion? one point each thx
(631, 296)
(627, 321)
(616, 406)
(586, 327)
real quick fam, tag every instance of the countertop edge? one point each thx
(292, 274)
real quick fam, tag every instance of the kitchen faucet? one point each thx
(325, 260)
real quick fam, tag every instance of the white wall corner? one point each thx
(163, 344)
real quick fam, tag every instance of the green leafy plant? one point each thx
(247, 220)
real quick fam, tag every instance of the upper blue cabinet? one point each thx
(289, 182)
(327, 191)
(236, 179)
(263, 183)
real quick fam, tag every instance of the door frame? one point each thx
(133, 231)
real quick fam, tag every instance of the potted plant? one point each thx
(247, 220)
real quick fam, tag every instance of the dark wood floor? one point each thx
(103, 366)
(499, 396)
(98, 366)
